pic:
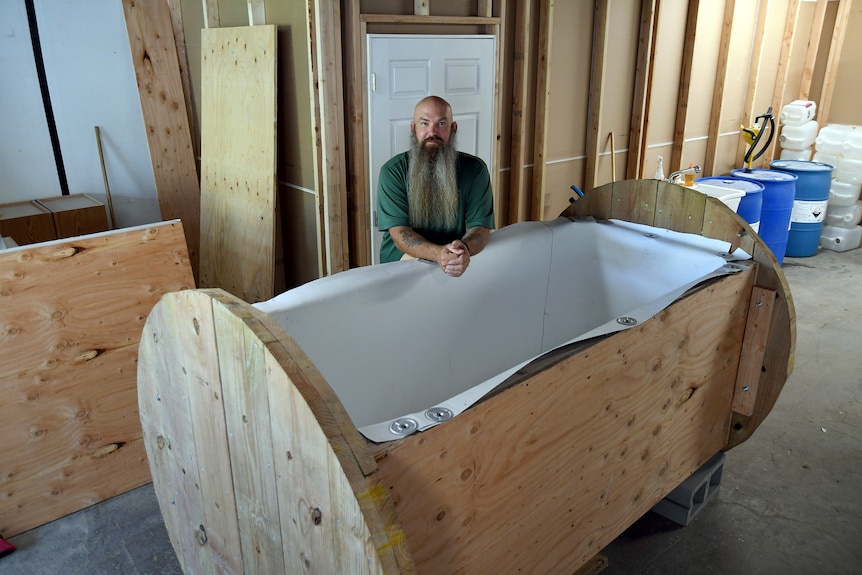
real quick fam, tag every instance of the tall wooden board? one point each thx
(72, 314)
(163, 103)
(238, 160)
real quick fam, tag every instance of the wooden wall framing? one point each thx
(552, 130)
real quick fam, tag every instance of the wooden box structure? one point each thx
(76, 214)
(259, 469)
(27, 223)
(72, 312)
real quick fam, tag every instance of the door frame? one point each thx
(356, 26)
(487, 146)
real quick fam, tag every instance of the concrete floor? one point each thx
(789, 500)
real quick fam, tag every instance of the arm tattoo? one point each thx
(411, 239)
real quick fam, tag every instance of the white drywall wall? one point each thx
(92, 83)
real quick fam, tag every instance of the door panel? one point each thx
(403, 69)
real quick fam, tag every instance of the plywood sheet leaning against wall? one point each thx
(537, 477)
(72, 313)
(238, 161)
(163, 103)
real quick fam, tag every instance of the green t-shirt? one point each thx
(475, 205)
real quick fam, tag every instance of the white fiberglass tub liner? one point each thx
(405, 346)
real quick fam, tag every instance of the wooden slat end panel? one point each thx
(292, 483)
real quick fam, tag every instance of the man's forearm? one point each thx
(476, 239)
(413, 244)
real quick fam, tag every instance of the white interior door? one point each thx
(403, 69)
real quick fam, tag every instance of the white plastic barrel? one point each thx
(797, 112)
(798, 137)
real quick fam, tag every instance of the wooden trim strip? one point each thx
(643, 74)
(684, 87)
(359, 208)
(783, 70)
(811, 51)
(519, 201)
(175, 7)
(422, 7)
(407, 19)
(543, 91)
(838, 33)
(753, 74)
(597, 70)
(718, 91)
(325, 39)
(753, 350)
(211, 13)
(256, 13)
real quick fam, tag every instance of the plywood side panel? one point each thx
(157, 69)
(651, 405)
(238, 161)
(72, 318)
(848, 81)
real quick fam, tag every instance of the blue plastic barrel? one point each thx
(809, 207)
(779, 192)
(750, 204)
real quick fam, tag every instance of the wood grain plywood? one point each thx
(163, 103)
(72, 314)
(595, 441)
(238, 161)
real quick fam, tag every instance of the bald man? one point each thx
(434, 202)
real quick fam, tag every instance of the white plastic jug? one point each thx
(844, 216)
(824, 158)
(840, 239)
(797, 112)
(831, 138)
(849, 170)
(798, 137)
(843, 193)
(803, 155)
(853, 144)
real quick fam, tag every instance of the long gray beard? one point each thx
(432, 185)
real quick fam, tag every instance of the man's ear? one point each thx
(412, 126)
(454, 127)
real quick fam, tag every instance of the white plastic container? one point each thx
(853, 144)
(843, 193)
(844, 216)
(797, 112)
(824, 158)
(840, 239)
(798, 137)
(831, 138)
(802, 155)
(849, 170)
(729, 197)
